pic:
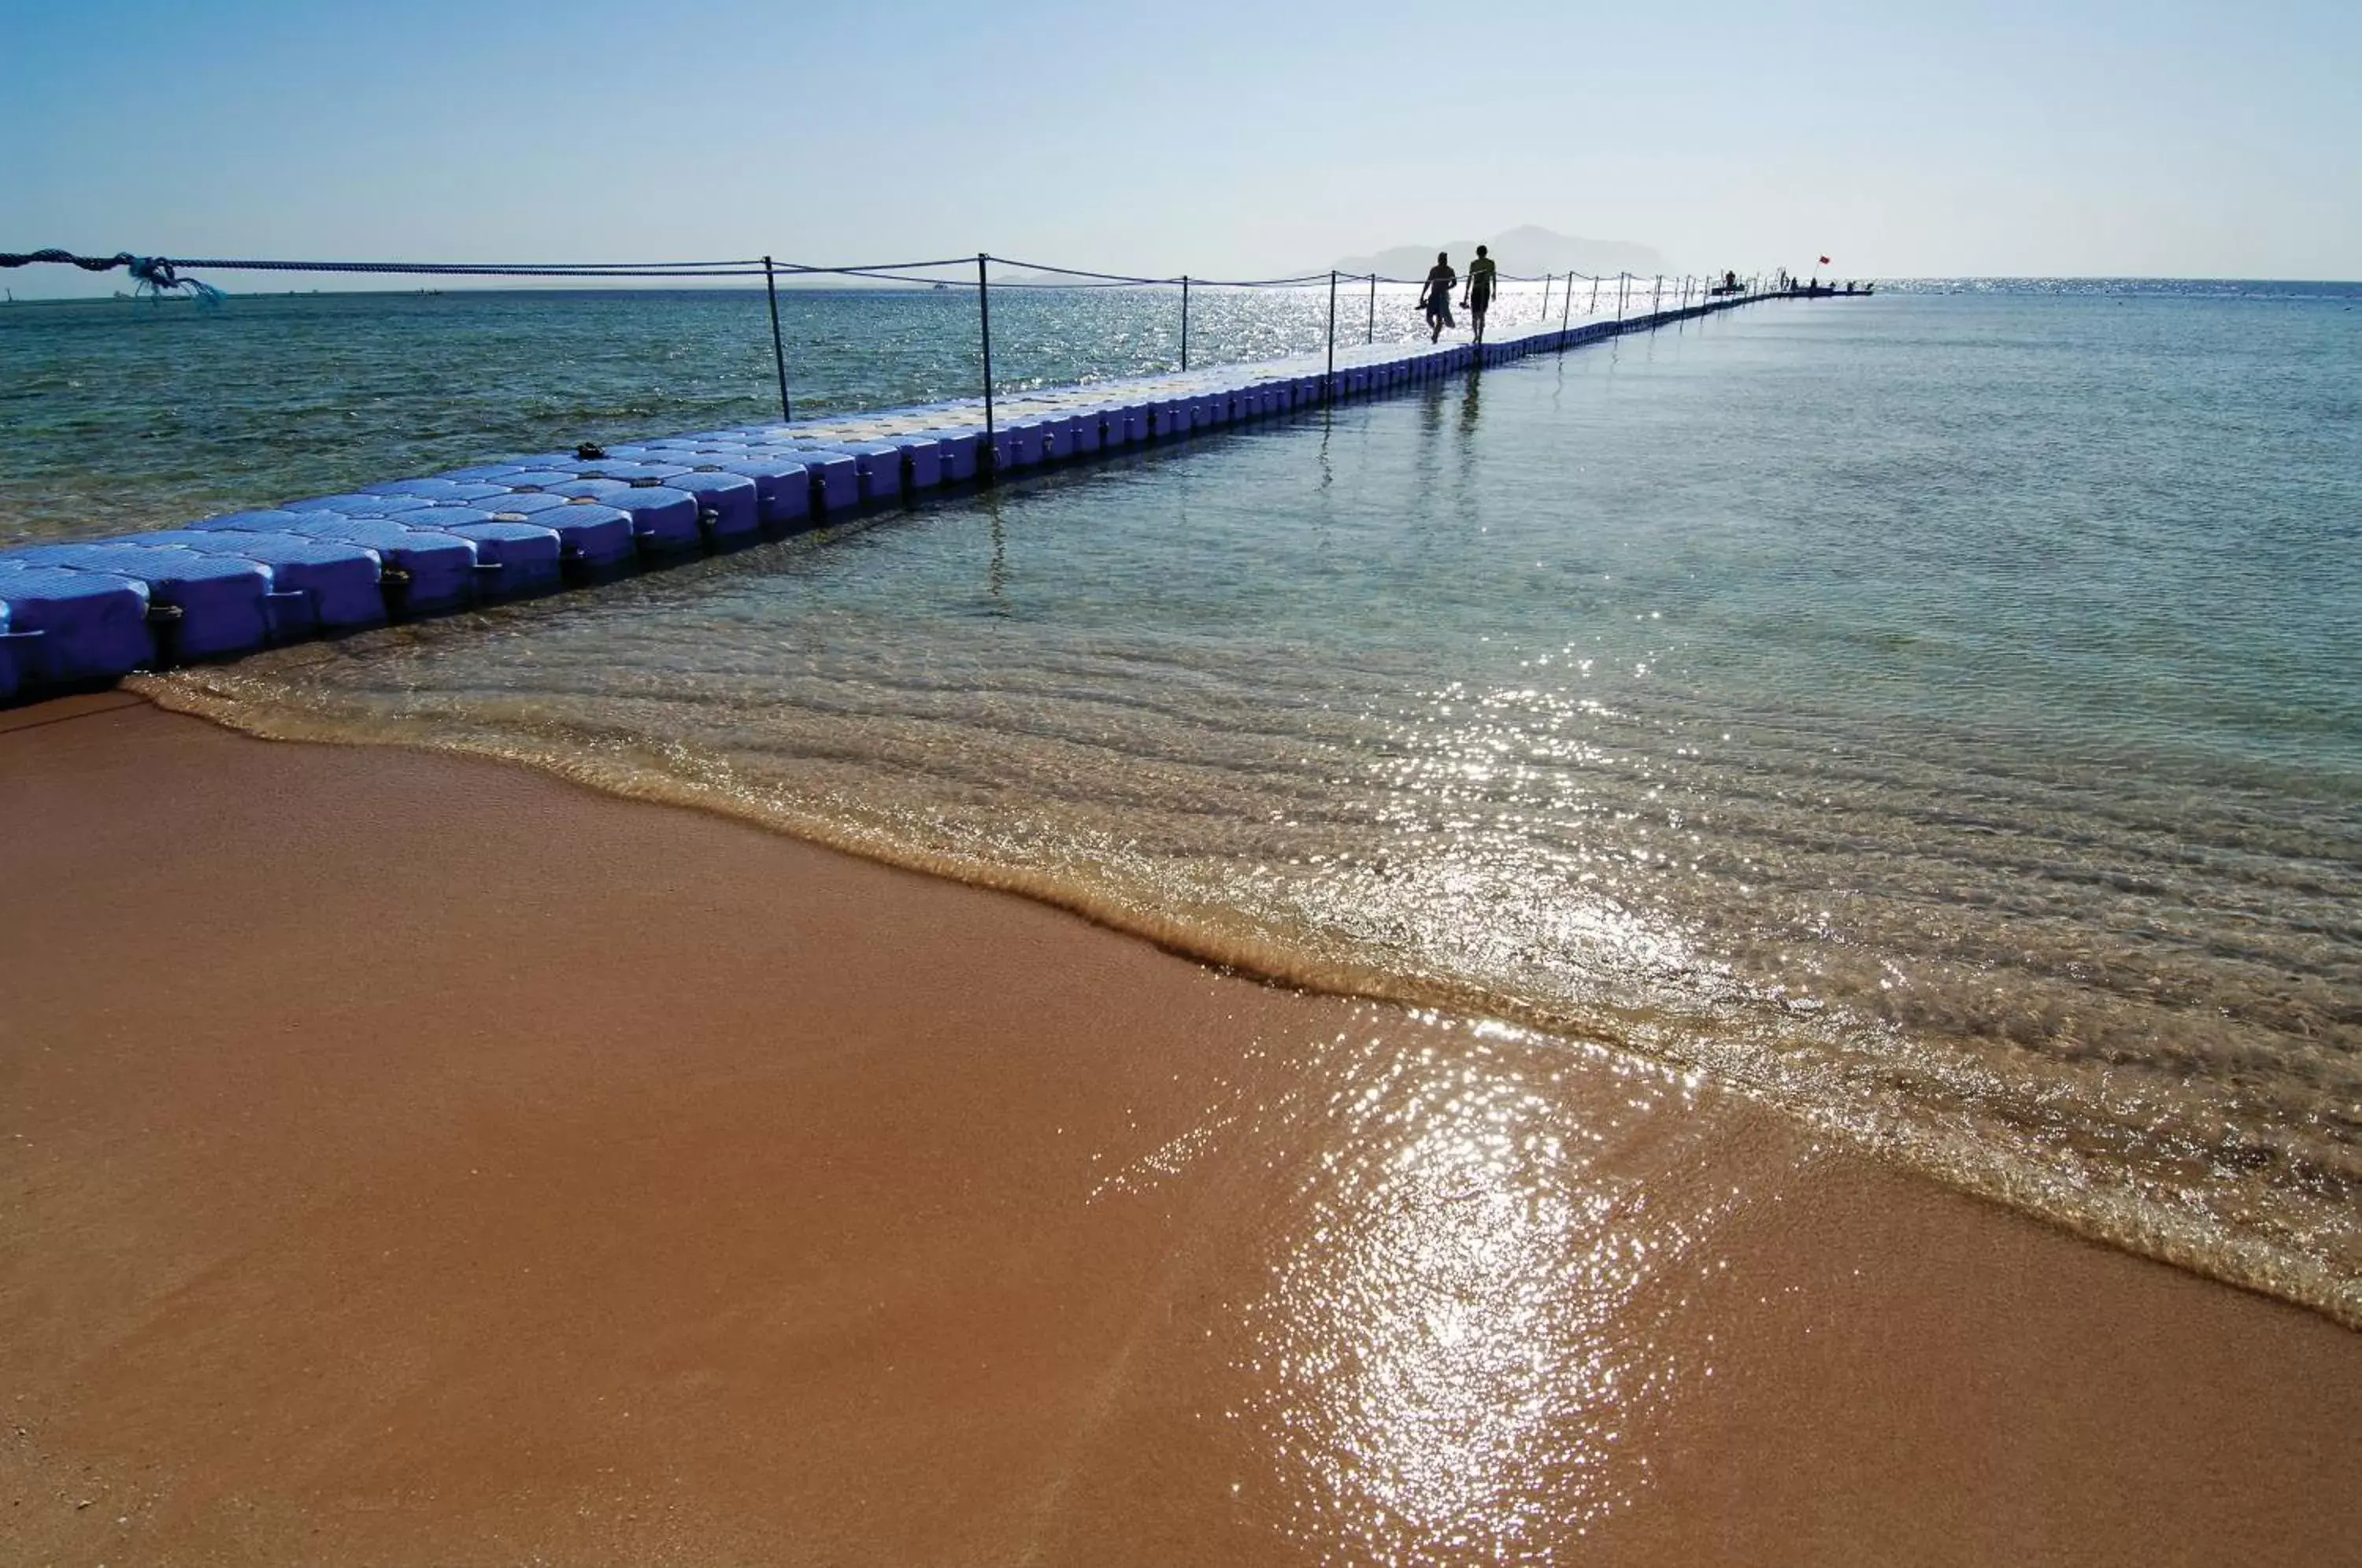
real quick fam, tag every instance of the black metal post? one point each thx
(984, 318)
(1656, 292)
(1184, 321)
(1594, 298)
(1546, 283)
(778, 344)
(1372, 336)
(1566, 307)
(1329, 386)
(1623, 292)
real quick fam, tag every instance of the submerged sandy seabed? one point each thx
(411, 1159)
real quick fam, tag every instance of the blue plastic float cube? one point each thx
(328, 585)
(529, 481)
(835, 475)
(922, 461)
(443, 491)
(426, 571)
(592, 536)
(728, 506)
(879, 464)
(598, 489)
(220, 604)
(515, 555)
(955, 451)
(67, 626)
(361, 504)
(664, 521)
(783, 497)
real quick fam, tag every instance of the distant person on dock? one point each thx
(1481, 274)
(1441, 281)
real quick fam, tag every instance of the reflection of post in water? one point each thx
(996, 570)
(1467, 400)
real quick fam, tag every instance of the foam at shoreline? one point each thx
(1749, 1048)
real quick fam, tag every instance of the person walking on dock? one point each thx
(1480, 277)
(1441, 281)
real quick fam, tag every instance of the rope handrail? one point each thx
(868, 268)
(748, 267)
(158, 276)
(1079, 272)
(421, 268)
(1305, 280)
(1500, 277)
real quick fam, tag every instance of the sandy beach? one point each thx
(414, 1160)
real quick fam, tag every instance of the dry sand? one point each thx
(413, 1159)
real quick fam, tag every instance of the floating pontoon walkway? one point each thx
(92, 610)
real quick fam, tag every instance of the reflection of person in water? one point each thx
(1441, 281)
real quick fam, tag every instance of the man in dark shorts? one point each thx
(1481, 275)
(1440, 279)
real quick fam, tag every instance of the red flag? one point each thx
(1825, 260)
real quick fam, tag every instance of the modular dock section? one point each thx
(91, 611)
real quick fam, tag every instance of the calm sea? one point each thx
(1940, 714)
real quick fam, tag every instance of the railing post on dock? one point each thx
(1372, 334)
(984, 320)
(1594, 298)
(1329, 382)
(1184, 321)
(1656, 292)
(1546, 283)
(1566, 307)
(778, 344)
(1623, 292)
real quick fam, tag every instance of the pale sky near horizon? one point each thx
(2072, 138)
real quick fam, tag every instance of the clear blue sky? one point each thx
(1218, 138)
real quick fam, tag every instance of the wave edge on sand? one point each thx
(1736, 1045)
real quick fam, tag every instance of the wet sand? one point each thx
(414, 1160)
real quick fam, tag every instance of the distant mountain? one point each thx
(1522, 252)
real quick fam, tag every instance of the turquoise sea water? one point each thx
(120, 414)
(1939, 713)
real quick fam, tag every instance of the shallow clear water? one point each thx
(1938, 713)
